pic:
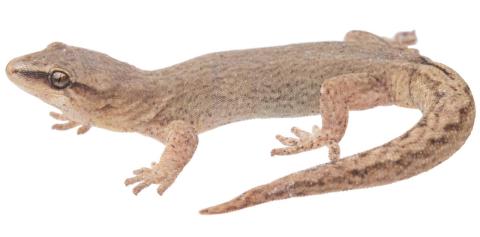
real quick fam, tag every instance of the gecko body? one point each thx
(175, 104)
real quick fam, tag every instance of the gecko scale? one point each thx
(175, 104)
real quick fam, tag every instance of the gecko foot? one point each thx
(69, 124)
(405, 38)
(307, 141)
(148, 176)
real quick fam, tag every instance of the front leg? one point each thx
(181, 142)
(82, 128)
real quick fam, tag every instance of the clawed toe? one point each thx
(140, 171)
(65, 126)
(307, 141)
(148, 176)
(301, 134)
(140, 187)
(294, 145)
(69, 124)
(302, 137)
(142, 178)
(133, 180)
(333, 150)
(286, 150)
(83, 129)
(58, 116)
(316, 131)
(287, 141)
(161, 188)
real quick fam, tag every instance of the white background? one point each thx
(58, 184)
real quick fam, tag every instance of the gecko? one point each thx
(176, 103)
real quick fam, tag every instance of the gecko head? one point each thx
(70, 78)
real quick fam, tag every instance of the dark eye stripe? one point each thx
(79, 87)
(34, 74)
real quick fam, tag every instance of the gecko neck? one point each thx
(139, 98)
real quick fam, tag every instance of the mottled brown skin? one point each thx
(174, 104)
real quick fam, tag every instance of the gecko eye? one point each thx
(59, 80)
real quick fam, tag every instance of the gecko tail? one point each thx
(245, 200)
(250, 198)
(431, 141)
(341, 175)
(316, 180)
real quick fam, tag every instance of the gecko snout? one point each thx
(15, 67)
(11, 68)
(27, 75)
(19, 71)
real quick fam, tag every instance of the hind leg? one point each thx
(338, 95)
(401, 39)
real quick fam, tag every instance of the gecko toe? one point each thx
(140, 187)
(316, 130)
(286, 150)
(58, 116)
(161, 189)
(83, 129)
(307, 141)
(140, 171)
(301, 134)
(65, 126)
(287, 141)
(333, 150)
(133, 180)
(148, 176)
